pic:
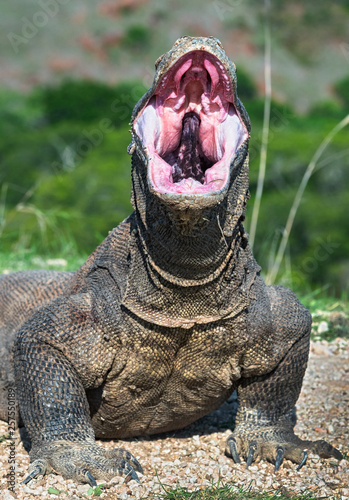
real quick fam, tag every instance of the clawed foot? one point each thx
(273, 446)
(83, 462)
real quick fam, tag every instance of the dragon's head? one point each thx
(190, 130)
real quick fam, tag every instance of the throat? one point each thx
(188, 161)
(186, 244)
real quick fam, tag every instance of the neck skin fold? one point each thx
(189, 244)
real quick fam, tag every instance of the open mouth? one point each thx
(191, 128)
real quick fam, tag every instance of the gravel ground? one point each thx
(194, 457)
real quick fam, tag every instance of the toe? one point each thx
(252, 453)
(280, 453)
(90, 479)
(37, 468)
(303, 461)
(325, 450)
(232, 449)
(118, 453)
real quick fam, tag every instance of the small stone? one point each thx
(170, 479)
(116, 480)
(330, 429)
(320, 349)
(6, 495)
(253, 468)
(323, 327)
(83, 488)
(268, 482)
(36, 492)
(140, 492)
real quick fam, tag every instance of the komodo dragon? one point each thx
(169, 315)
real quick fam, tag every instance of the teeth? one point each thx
(164, 82)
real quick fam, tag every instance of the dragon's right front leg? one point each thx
(52, 397)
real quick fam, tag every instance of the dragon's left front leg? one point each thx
(267, 415)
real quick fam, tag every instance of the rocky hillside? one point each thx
(113, 40)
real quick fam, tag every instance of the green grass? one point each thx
(332, 311)
(68, 260)
(231, 492)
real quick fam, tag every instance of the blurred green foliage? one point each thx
(83, 101)
(246, 87)
(137, 37)
(65, 176)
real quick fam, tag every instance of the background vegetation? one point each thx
(65, 173)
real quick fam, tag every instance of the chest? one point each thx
(165, 378)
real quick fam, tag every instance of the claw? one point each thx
(37, 470)
(233, 451)
(136, 465)
(132, 475)
(31, 476)
(279, 458)
(251, 452)
(90, 478)
(304, 459)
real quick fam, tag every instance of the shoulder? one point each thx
(109, 258)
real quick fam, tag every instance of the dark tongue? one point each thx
(188, 160)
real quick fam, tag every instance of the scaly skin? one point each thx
(163, 322)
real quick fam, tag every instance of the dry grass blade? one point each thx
(265, 130)
(309, 171)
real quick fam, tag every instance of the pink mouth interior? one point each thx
(190, 127)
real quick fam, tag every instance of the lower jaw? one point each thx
(192, 202)
(160, 178)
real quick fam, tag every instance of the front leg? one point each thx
(49, 353)
(266, 417)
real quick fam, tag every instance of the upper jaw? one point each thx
(189, 124)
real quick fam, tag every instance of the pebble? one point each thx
(36, 492)
(253, 468)
(330, 429)
(83, 488)
(6, 495)
(323, 327)
(320, 349)
(170, 479)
